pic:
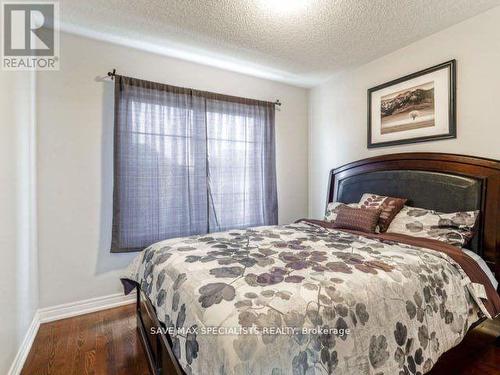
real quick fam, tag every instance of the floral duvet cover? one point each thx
(302, 299)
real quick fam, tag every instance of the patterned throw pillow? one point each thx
(333, 209)
(361, 219)
(455, 228)
(389, 207)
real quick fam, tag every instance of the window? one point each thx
(189, 162)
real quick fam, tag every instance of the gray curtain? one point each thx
(189, 162)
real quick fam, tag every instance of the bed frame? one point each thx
(158, 347)
(444, 182)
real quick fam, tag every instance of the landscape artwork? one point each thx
(418, 107)
(409, 109)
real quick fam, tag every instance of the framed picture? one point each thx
(415, 108)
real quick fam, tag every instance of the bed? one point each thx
(303, 298)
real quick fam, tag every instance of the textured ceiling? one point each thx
(301, 44)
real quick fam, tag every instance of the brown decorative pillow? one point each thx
(334, 207)
(389, 207)
(360, 219)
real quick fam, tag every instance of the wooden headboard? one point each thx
(443, 182)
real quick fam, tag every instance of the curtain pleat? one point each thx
(189, 162)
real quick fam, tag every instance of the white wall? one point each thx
(18, 267)
(75, 116)
(338, 110)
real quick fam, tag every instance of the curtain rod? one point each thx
(113, 74)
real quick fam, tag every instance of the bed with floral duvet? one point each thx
(306, 299)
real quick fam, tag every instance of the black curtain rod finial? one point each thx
(112, 74)
(278, 103)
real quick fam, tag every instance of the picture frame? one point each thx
(415, 108)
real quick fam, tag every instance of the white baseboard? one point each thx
(25, 347)
(67, 310)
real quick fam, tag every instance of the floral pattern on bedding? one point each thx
(404, 306)
(456, 228)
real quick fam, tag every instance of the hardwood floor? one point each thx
(107, 342)
(478, 354)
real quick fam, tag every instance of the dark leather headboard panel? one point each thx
(438, 191)
(443, 182)
(432, 190)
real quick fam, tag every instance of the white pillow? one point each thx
(455, 228)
